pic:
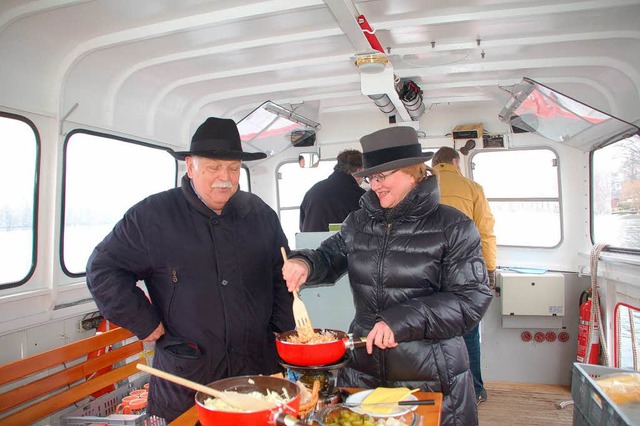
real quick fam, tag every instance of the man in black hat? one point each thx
(209, 255)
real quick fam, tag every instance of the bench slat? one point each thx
(39, 362)
(61, 379)
(77, 393)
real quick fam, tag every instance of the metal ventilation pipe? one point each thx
(411, 97)
(383, 102)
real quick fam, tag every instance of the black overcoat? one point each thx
(419, 268)
(215, 282)
(329, 201)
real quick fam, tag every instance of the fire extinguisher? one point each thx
(583, 332)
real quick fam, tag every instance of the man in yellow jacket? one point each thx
(468, 197)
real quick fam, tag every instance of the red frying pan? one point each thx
(313, 354)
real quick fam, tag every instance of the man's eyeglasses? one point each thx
(380, 177)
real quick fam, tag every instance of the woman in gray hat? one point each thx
(417, 274)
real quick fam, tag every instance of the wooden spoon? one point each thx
(300, 314)
(237, 400)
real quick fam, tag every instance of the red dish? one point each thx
(245, 384)
(315, 354)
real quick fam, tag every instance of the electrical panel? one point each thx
(531, 294)
(493, 141)
(468, 131)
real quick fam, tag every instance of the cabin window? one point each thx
(627, 336)
(293, 182)
(103, 178)
(615, 203)
(523, 190)
(18, 195)
(243, 183)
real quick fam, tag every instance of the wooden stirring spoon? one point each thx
(300, 314)
(234, 399)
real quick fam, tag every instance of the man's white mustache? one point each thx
(222, 185)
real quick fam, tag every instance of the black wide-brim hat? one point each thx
(218, 138)
(390, 149)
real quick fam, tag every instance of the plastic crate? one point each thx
(592, 407)
(101, 411)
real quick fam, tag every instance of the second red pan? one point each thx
(315, 354)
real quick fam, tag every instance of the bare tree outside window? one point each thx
(616, 194)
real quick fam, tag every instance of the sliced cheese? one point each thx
(388, 396)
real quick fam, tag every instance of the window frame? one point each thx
(616, 332)
(36, 198)
(248, 174)
(278, 180)
(63, 191)
(527, 199)
(592, 222)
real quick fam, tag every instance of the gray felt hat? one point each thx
(389, 149)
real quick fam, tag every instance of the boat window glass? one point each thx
(103, 178)
(539, 109)
(243, 183)
(615, 202)
(523, 190)
(308, 159)
(18, 195)
(627, 336)
(293, 183)
(271, 128)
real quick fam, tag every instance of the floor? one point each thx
(514, 404)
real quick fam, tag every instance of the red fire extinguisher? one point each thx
(583, 332)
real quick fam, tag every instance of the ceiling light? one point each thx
(374, 63)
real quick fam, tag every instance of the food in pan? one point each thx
(317, 337)
(271, 396)
(305, 334)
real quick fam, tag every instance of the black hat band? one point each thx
(386, 155)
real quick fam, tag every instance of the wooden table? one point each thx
(430, 413)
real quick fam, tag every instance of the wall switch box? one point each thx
(531, 294)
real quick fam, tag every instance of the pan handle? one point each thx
(355, 342)
(284, 419)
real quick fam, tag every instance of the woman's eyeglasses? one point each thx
(380, 177)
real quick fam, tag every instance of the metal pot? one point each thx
(315, 354)
(245, 384)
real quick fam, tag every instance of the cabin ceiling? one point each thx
(156, 69)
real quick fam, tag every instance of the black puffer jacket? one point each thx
(419, 268)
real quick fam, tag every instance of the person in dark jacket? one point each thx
(332, 199)
(209, 255)
(417, 275)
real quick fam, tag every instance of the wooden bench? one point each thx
(45, 388)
